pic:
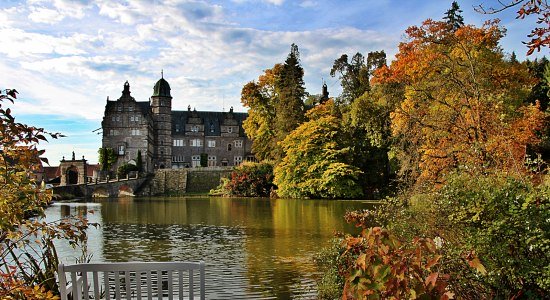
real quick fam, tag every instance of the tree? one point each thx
(462, 104)
(540, 36)
(139, 163)
(107, 158)
(355, 74)
(368, 128)
(28, 260)
(316, 160)
(289, 109)
(453, 16)
(261, 97)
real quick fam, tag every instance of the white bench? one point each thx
(131, 280)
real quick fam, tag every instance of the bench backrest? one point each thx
(131, 280)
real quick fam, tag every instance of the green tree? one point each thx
(453, 16)
(368, 129)
(316, 160)
(354, 76)
(139, 162)
(289, 109)
(107, 158)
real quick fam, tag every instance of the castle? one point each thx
(172, 139)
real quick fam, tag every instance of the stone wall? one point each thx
(202, 181)
(182, 181)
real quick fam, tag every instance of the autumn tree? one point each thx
(540, 35)
(316, 162)
(261, 97)
(275, 105)
(463, 102)
(28, 260)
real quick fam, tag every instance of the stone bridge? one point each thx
(112, 188)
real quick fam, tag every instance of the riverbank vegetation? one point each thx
(457, 129)
(28, 260)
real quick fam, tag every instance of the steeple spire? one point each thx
(161, 73)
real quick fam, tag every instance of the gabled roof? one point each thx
(208, 118)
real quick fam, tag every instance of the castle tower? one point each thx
(161, 107)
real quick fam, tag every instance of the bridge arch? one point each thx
(100, 192)
(125, 190)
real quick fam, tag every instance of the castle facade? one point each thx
(172, 139)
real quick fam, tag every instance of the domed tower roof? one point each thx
(162, 88)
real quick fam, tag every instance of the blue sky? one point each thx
(65, 57)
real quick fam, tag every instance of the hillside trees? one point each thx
(462, 104)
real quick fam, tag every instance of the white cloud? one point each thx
(275, 2)
(308, 4)
(45, 15)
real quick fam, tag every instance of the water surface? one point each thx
(253, 248)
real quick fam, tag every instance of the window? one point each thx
(178, 143)
(177, 158)
(238, 144)
(195, 128)
(229, 129)
(113, 118)
(211, 127)
(113, 132)
(211, 143)
(228, 147)
(120, 149)
(132, 118)
(195, 143)
(237, 160)
(195, 161)
(118, 118)
(135, 132)
(211, 161)
(178, 128)
(130, 108)
(119, 108)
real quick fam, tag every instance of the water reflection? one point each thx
(254, 248)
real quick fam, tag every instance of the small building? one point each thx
(172, 139)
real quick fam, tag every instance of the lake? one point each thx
(254, 248)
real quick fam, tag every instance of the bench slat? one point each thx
(130, 280)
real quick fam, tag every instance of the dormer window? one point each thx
(211, 127)
(195, 128)
(229, 129)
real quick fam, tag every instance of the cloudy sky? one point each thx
(65, 57)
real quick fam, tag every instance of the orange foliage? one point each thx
(462, 103)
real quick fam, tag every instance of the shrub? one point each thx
(123, 170)
(248, 180)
